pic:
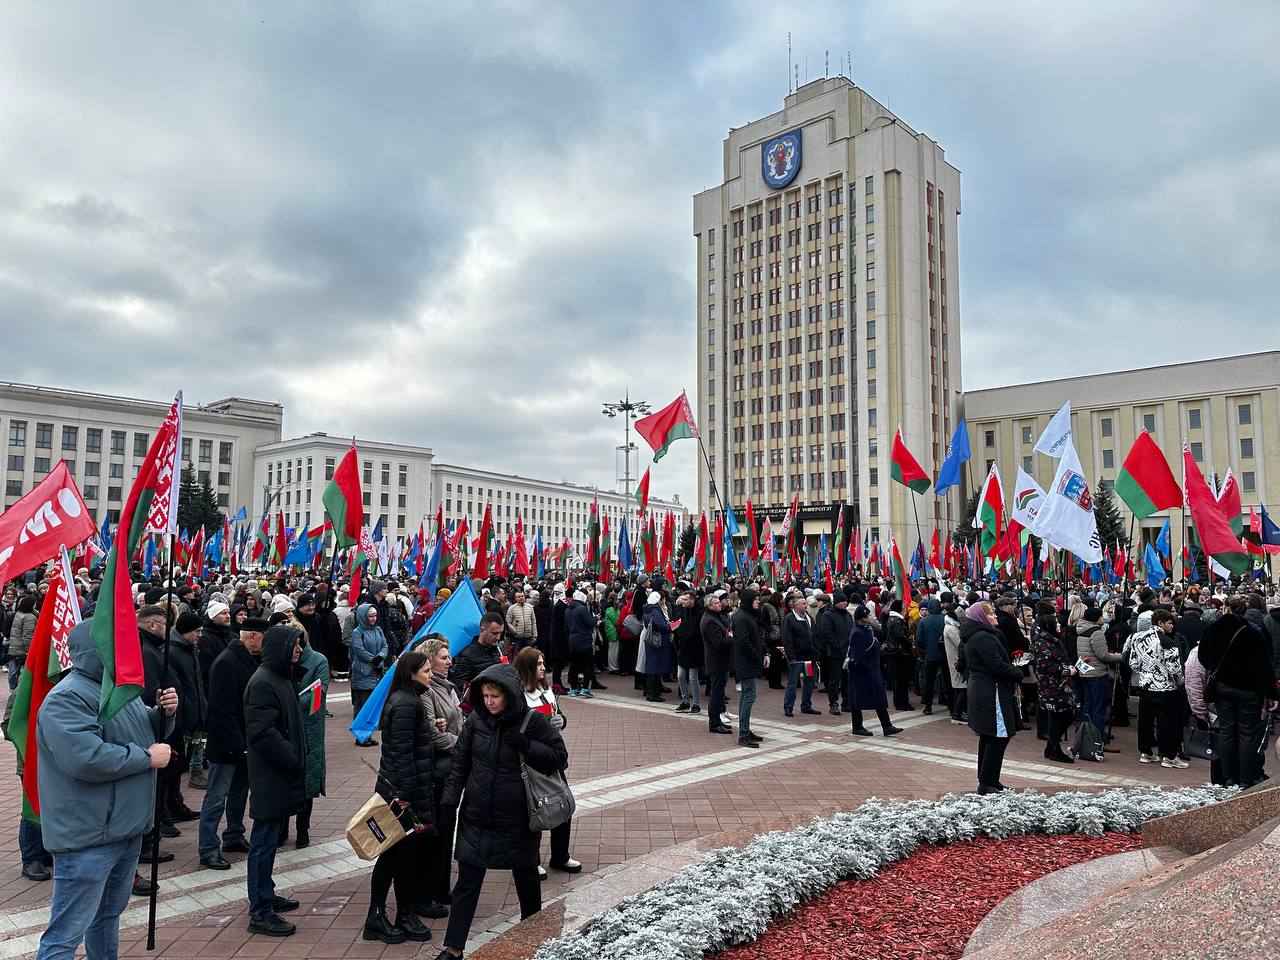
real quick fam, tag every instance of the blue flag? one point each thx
(370, 715)
(625, 556)
(1155, 571)
(1270, 532)
(1162, 539)
(104, 535)
(377, 531)
(457, 619)
(730, 555)
(957, 456)
(241, 514)
(149, 558)
(537, 549)
(431, 572)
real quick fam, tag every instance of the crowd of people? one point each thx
(238, 672)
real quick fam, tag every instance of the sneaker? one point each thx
(572, 693)
(957, 721)
(1174, 763)
(729, 716)
(1146, 758)
(272, 926)
(695, 709)
(569, 866)
(683, 708)
(586, 693)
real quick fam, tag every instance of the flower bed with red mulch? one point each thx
(924, 907)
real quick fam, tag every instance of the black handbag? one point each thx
(1201, 743)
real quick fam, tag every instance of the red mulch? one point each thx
(925, 907)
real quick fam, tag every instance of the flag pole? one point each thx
(712, 475)
(169, 621)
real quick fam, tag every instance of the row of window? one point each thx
(1106, 428)
(93, 468)
(90, 491)
(93, 437)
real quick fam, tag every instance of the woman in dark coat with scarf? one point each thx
(405, 779)
(993, 681)
(1055, 670)
(750, 656)
(493, 823)
(866, 683)
(659, 661)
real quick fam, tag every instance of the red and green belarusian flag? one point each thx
(152, 507)
(700, 551)
(605, 545)
(989, 518)
(673, 422)
(1145, 483)
(312, 698)
(343, 501)
(839, 545)
(480, 569)
(901, 582)
(903, 466)
(263, 540)
(768, 554)
(593, 536)
(1229, 503)
(648, 546)
(47, 659)
(642, 493)
(1213, 529)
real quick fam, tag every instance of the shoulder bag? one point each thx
(1211, 681)
(548, 799)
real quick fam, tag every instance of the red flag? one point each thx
(1212, 526)
(51, 516)
(480, 570)
(281, 545)
(197, 553)
(642, 493)
(673, 422)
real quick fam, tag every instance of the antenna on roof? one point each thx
(826, 62)
(788, 61)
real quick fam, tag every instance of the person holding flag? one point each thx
(313, 685)
(101, 778)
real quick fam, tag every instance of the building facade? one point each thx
(404, 485)
(828, 312)
(104, 440)
(1225, 409)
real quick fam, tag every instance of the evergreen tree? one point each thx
(1107, 515)
(197, 504)
(688, 540)
(964, 535)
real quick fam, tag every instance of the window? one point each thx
(870, 186)
(833, 197)
(871, 418)
(1244, 414)
(13, 488)
(44, 436)
(871, 359)
(224, 452)
(201, 475)
(1248, 483)
(91, 491)
(1108, 459)
(1193, 418)
(711, 237)
(367, 474)
(871, 269)
(140, 441)
(70, 438)
(1027, 464)
(1026, 435)
(1105, 426)
(871, 242)
(117, 443)
(18, 432)
(206, 451)
(115, 471)
(41, 464)
(875, 506)
(989, 438)
(1246, 448)
(91, 468)
(871, 388)
(113, 494)
(386, 474)
(871, 213)
(224, 478)
(186, 449)
(17, 461)
(1197, 450)
(404, 478)
(224, 500)
(93, 440)
(1149, 422)
(871, 299)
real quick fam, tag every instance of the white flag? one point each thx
(1057, 434)
(1027, 499)
(1065, 517)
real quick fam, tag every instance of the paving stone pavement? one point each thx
(645, 779)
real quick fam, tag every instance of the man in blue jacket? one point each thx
(97, 789)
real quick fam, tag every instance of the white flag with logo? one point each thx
(1065, 517)
(1053, 442)
(1027, 499)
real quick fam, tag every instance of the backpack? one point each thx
(1088, 741)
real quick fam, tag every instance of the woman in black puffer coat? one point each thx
(404, 778)
(993, 680)
(493, 825)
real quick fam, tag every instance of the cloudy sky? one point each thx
(466, 225)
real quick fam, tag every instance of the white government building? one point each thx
(237, 445)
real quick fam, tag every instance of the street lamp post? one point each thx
(630, 410)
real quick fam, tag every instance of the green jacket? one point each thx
(611, 625)
(314, 666)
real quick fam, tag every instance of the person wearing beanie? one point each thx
(280, 603)
(834, 623)
(1098, 666)
(579, 632)
(191, 721)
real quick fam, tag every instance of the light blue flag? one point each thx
(457, 619)
(625, 557)
(370, 715)
(431, 572)
(537, 548)
(149, 558)
(957, 456)
(730, 555)
(241, 514)
(1155, 570)
(1162, 539)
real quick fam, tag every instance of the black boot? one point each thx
(378, 927)
(413, 928)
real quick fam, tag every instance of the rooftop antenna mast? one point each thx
(826, 63)
(789, 90)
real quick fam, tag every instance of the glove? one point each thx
(377, 663)
(557, 720)
(519, 740)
